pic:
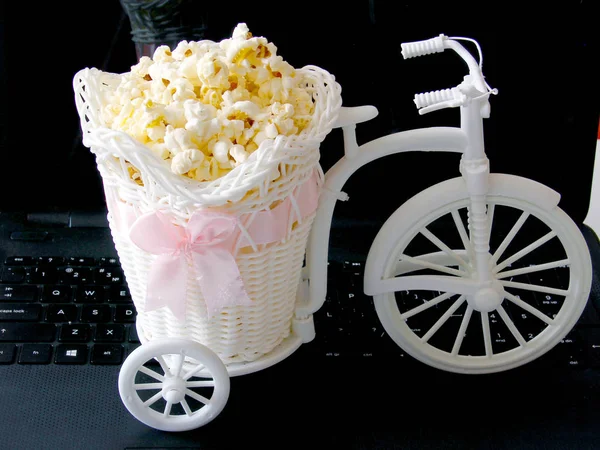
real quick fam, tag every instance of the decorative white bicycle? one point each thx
(477, 274)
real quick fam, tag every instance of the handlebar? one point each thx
(474, 85)
(422, 48)
(434, 100)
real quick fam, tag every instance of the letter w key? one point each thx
(89, 294)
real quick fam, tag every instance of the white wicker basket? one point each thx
(270, 272)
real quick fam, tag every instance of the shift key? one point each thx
(27, 332)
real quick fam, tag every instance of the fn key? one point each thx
(35, 354)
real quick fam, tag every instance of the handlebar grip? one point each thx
(434, 97)
(422, 48)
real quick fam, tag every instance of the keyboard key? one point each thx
(50, 260)
(13, 275)
(7, 353)
(20, 312)
(74, 333)
(95, 313)
(133, 336)
(109, 275)
(550, 304)
(356, 267)
(71, 354)
(61, 313)
(569, 352)
(108, 262)
(18, 261)
(119, 294)
(56, 294)
(593, 346)
(27, 332)
(90, 294)
(35, 354)
(18, 293)
(109, 333)
(107, 354)
(124, 314)
(81, 261)
(43, 275)
(75, 275)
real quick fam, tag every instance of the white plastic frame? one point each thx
(475, 186)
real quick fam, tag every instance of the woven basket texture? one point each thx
(270, 272)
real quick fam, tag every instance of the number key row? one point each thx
(62, 275)
(60, 260)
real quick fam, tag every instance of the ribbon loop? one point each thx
(201, 243)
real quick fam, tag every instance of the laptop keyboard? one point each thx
(78, 310)
(347, 326)
(65, 310)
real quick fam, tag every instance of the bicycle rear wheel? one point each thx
(539, 257)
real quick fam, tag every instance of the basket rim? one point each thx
(98, 138)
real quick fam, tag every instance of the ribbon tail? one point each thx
(167, 282)
(219, 280)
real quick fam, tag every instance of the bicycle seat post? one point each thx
(347, 120)
(350, 144)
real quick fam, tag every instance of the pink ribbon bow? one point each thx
(204, 241)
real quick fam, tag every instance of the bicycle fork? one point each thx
(475, 169)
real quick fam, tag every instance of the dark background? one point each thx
(543, 123)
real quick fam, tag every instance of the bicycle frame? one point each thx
(474, 167)
(445, 139)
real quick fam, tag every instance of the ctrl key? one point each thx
(7, 353)
(103, 354)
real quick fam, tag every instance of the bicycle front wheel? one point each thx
(538, 256)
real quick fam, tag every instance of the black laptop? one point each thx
(66, 315)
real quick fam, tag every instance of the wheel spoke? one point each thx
(531, 247)
(511, 235)
(163, 364)
(464, 237)
(198, 384)
(439, 244)
(427, 305)
(186, 407)
(511, 326)
(534, 287)
(487, 335)
(167, 410)
(151, 373)
(442, 320)
(527, 307)
(147, 386)
(463, 329)
(530, 269)
(490, 213)
(153, 399)
(193, 372)
(440, 283)
(176, 370)
(197, 396)
(434, 266)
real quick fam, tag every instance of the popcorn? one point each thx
(186, 160)
(205, 107)
(239, 154)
